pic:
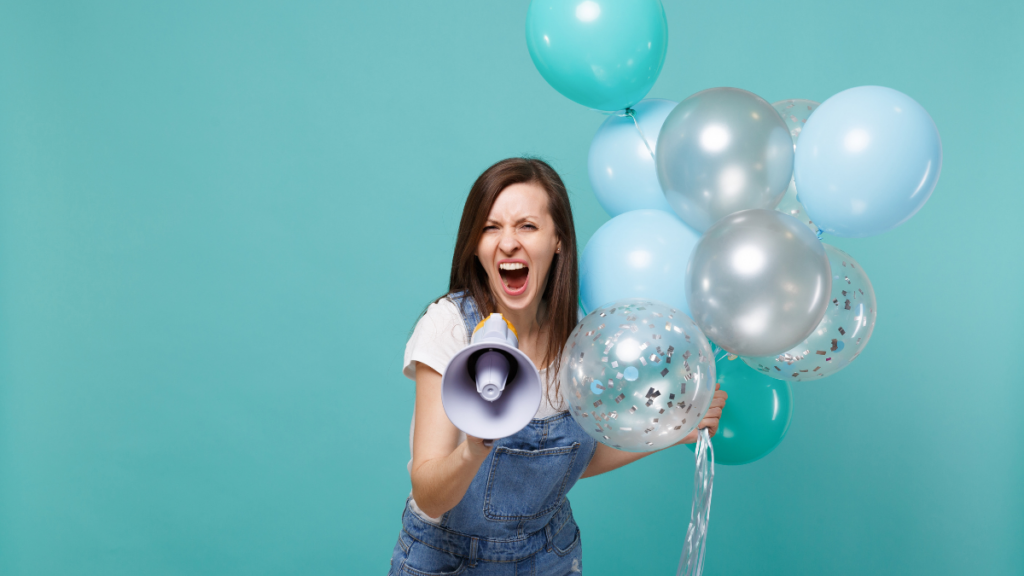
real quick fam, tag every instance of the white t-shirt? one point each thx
(438, 336)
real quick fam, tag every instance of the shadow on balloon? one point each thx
(756, 415)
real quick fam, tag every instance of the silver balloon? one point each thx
(639, 375)
(840, 336)
(720, 151)
(795, 114)
(758, 282)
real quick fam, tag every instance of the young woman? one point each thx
(481, 509)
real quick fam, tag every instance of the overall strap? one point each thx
(467, 307)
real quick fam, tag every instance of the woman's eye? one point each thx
(489, 228)
(529, 226)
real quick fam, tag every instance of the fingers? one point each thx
(712, 427)
(711, 424)
(710, 420)
(478, 446)
(718, 401)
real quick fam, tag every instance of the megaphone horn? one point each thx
(491, 369)
(491, 389)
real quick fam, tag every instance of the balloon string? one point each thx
(632, 114)
(719, 353)
(691, 563)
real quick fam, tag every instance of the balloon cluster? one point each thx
(718, 206)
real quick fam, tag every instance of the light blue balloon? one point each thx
(868, 159)
(639, 254)
(604, 54)
(621, 162)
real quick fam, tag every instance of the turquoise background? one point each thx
(219, 221)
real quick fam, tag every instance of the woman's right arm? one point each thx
(442, 469)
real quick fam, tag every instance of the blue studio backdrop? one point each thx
(220, 220)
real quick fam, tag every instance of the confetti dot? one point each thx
(631, 373)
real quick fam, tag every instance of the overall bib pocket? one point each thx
(526, 484)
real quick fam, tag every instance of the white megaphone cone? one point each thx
(491, 389)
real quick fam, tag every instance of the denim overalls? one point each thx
(514, 518)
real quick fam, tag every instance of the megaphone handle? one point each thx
(488, 443)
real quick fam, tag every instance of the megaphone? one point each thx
(491, 389)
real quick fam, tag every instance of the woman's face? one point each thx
(518, 245)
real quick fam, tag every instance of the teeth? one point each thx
(511, 266)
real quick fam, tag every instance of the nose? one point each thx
(509, 243)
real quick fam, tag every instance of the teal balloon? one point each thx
(603, 54)
(756, 415)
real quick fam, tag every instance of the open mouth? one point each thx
(514, 277)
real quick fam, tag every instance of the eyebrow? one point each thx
(519, 221)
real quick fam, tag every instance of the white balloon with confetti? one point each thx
(638, 375)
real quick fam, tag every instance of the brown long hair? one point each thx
(562, 287)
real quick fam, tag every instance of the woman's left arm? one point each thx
(607, 458)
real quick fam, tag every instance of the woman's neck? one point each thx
(530, 327)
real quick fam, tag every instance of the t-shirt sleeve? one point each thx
(438, 336)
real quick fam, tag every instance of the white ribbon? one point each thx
(691, 563)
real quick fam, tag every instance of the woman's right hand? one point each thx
(478, 447)
(442, 468)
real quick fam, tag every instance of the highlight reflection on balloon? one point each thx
(795, 114)
(638, 375)
(621, 163)
(720, 151)
(758, 282)
(841, 336)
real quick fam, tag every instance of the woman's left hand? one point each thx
(710, 420)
